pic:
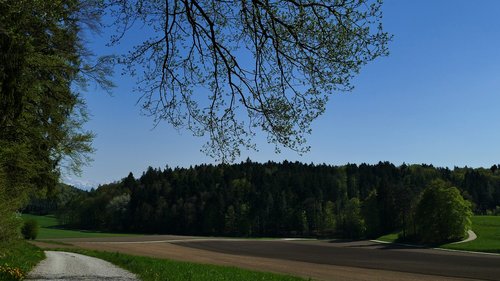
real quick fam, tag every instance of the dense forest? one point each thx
(272, 199)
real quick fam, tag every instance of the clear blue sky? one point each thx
(434, 100)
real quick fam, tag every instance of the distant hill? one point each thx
(49, 203)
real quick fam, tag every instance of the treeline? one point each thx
(274, 199)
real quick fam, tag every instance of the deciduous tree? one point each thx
(442, 214)
(41, 114)
(206, 63)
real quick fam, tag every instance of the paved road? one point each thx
(364, 254)
(64, 266)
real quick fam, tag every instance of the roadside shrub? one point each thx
(30, 229)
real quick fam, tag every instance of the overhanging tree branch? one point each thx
(233, 68)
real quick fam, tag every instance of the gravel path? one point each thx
(63, 266)
(472, 236)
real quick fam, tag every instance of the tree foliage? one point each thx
(206, 63)
(371, 214)
(269, 199)
(41, 113)
(442, 214)
(354, 224)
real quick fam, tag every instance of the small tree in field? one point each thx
(442, 214)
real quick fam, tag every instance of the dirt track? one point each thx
(70, 266)
(311, 259)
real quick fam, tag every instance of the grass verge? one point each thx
(50, 229)
(149, 269)
(17, 258)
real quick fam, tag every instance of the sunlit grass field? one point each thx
(487, 229)
(49, 229)
(391, 237)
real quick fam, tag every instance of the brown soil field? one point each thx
(318, 260)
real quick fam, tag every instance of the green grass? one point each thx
(391, 237)
(17, 258)
(50, 229)
(43, 221)
(487, 229)
(149, 269)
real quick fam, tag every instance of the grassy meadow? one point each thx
(487, 229)
(49, 228)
